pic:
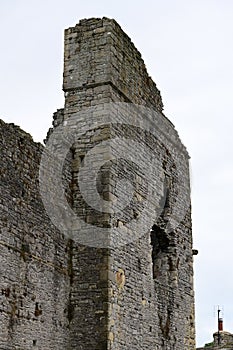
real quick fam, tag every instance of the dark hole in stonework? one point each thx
(81, 158)
(34, 342)
(26, 248)
(159, 240)
(150, 329)
(72, 153)
(139, 264)
(38, 310)
(160, 243)
(6, 292)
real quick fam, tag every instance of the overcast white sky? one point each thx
(187, 47)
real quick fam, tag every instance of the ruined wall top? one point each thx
(98, 52)
(135, 291)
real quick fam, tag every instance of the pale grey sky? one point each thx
(188, 51)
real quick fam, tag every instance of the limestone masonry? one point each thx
(132, 288)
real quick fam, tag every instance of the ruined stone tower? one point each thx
(101, 260)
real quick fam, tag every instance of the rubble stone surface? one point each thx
(57, 293)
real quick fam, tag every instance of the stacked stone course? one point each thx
(34, 289)
(58, 293)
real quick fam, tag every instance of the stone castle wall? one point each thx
(34, 267)
(103, 66)
(60, 293)
(99, 56)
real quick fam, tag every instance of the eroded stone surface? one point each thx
(60, 294)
